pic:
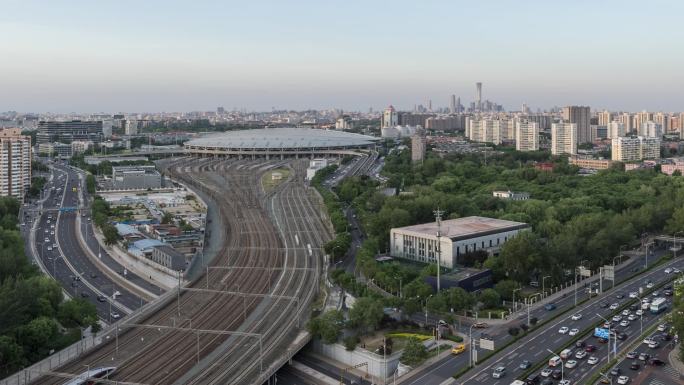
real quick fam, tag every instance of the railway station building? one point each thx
(458, 237)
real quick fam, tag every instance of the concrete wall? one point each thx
(377, 367)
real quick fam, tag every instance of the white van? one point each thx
(566, 353)
(554, 361)
(518, 382)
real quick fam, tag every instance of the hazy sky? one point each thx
(150, 55)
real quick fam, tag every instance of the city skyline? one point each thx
(82, 57)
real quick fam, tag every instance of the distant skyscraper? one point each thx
(663, 120)
(458, 104)
(616, 130)
(389, 117)
(478, 96)
(563, 138)
(452, 104)
(579, 115)
(430, 105)
(626, 120)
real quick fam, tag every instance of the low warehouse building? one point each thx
(458, 237)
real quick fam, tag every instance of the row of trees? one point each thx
(101, 213)
(35, 318)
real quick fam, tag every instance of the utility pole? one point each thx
(438, 217)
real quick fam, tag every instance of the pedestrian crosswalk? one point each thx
(670, 371)
(658, 382)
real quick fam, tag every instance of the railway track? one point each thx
(260, 284)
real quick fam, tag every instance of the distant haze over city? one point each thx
(82, 56)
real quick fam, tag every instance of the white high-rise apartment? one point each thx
(131, 127)
(563, 138)
(15, 163)
(641, 118)
(487, 130)
(604, 118)
(663, 120)
(526, 135)
(651, 129)
(626, 120)
(635, 148)
(616, 129)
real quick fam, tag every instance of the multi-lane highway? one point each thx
(534, 347)
(56, 245)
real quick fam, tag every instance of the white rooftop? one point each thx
(465, 227)
(276, 138)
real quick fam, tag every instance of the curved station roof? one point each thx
(280, 139)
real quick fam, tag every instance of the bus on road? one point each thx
(658, 305)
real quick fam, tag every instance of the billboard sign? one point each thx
(609, 272)
(486, 344)
(601, 333)
(584, 272)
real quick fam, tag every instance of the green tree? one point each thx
(490, 298)
(91, 185)
(111, 234)
(505, 289)
(414, 352)
(459, 299)
(366, 313)
(327, 326)
(77, 312)
(11, 355)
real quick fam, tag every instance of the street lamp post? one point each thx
(641, 319)
(543, 285)
(472, 345)
(426, 309)
(609, 332)
(515, 308)
(647, 245)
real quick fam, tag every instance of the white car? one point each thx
(653, 345)
(625, 312)
(564, 382)
(632, 317)
(115, 315)
(639, 312)
(668, 270)
(593, 360)
(645, 306)
(570, 364)
(633, 294)
(662, 327)
(622, 380)
(576, 317)
(617, 318)
(563, 330)
(676, 270)
(624, 323)
(499, 372)
(648, 340)
(49, 248)
(613, 306)
(649, 285)
(546, 372)
(573, 332)
(580, 354)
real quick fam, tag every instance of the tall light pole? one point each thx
(438, 217)
(562, 363)
(472, 345)
(514, 290)
(426, 309)
(647, 245)
(609, 332)
(543, 285)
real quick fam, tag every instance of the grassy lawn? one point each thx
(269, 183)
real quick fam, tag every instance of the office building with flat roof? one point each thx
(458, 237)
(69, 131)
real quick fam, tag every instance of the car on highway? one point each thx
(624, 323)
(668, 270)
(655, 293)
(546, 372)
(632, 317)
(621, 336)
(649, 285)
(590, 348)
(634, 365)
(576, 317)
(613, 306)
(617, 318)
(525, 364)
(458, 349)
(625, 312)
(580, 354)
(480, 325)
(553, 362)
(632, 355)
(499, 372)
(640, 311)
(557, 374)
(573, 332)
(615, 372)
(564, 382)
(662, 327)
(49, 248)
(656, 362)
(563, 330)
(570, 364)
(101, 298)
(622, 380)
(633, 294)
(550, 306)
(593, 360)
(580, 344)
(115, 315)
(644, 356)
(648, 340)
(654, 345)
(619, 296)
